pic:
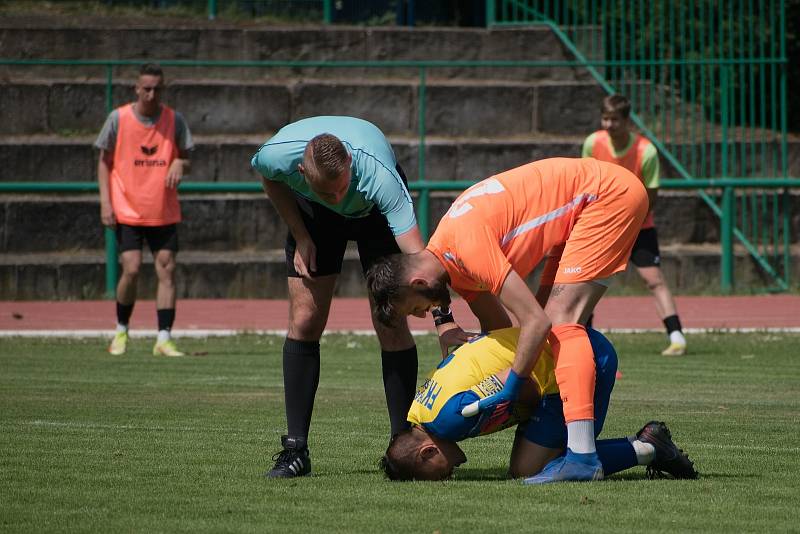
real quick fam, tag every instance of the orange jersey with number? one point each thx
(513, 219)
(142, 157)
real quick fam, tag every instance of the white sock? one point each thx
(645, 452)
(122, 328)
(580, 436)
(163, 335)
(676, 336)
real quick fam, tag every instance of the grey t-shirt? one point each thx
(107, 138)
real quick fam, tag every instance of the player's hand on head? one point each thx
(454, 336)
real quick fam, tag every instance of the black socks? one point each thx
(300, 381)
(400, 384)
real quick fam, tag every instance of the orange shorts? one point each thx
(601, 240)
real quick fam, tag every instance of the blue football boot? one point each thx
(570, 467)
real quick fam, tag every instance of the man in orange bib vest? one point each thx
(144, 150)
(617, 143)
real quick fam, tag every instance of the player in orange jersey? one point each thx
(583, 215)
(144, 153)
(618, 143)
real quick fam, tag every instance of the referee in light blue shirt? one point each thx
(332, 180)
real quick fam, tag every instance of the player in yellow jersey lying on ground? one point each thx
(441, 415)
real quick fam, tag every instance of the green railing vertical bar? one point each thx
(776, 229)
(762, 82)
(784, 142)
(212, 9)
(491, 16)
(423, 202)
(703, 104)
(727, 140)
(723, 105)
(787, 270)
(112, 267)
(421, 123)
(327, 11)
(773, 76)
(693, 101)
(743, 124)
(752, 93)
(726, 239)
(424, 210)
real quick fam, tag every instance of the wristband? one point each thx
(442, 316)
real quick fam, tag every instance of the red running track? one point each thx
(758, 312)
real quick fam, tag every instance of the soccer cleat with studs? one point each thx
(119, 345)
(292, 461)
(670, 461)
(167, 348)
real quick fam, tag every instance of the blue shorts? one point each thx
(547, 427)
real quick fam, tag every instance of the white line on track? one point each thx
(202, 333)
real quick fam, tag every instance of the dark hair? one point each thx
(151, 69)
(616, 104)
(384, 284)
(325, 157)
(398, 462)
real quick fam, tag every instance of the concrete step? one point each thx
(250, 274)
(236, 222)
(463, 108)
(60, 38)
(227, 158)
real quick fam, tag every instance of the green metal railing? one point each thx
(707, 81)
(775, 242)
(752, 208)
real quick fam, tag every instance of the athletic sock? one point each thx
(163, 335)
(300, 381)
(122, 328)
(580, 436)
(677, 337)
(399, 384)
(616, 455)
(645, 452)
(166, 317)
(124, 312)
(575, 374)
(672, 324)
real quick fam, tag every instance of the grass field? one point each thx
(95, 443)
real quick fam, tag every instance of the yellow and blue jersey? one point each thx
(469, 374)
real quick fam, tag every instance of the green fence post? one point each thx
(112, 268)
(787, 251)
(423, 211)
(327, 11)
(421, 126)
(212, 9)
(723, 108)
(726, 240)
(490, 13)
